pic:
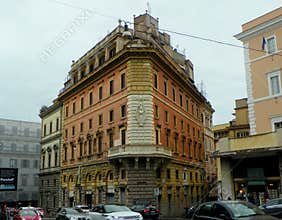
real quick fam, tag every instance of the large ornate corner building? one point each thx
(134, 124)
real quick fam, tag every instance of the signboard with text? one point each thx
(8, 179)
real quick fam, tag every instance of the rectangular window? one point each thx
(122, 81)
(123, 137)
(100, 120)
(81, 103)
(57, 124)
(81, 127)
(274, 83)
(73, 107)
(100, 93)
(157, 133)
(168, 173)
(50, 128)
(56, 158)
(271, 44)
(49, 160)
(111, 87)
(173, 94)
(157, 115)
(123, 174)
(24, 179)
(44, 130)
(165, 87)
(25, 164)
(176, 174)
(89, 146)
(180, 100)
(100, 144)
(13, 163)
(67, 111)
(26, 132)
(66, 133)
(35, 164)
(174, 121)
(91, 98)
(66, 153)
(176, 143)
(101, 59)
(111, 139)
(91, 68)
(277, 125)
(156, 81)
(90, 123)
(73, 130)
(187, 104)
(112, 52)
(184, 175)
(167, 134)
(123, 111)
(43, 162)
(166, 116)
(111, 116)
(183, 145)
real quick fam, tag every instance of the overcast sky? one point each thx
(39, 39)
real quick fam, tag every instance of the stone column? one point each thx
(227, 185)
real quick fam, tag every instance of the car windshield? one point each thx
(115, 208)
(241, 209)
(27, 213)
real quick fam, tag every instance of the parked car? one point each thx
(71, 214)
(84, 208)
(273, 207)
(231, 210)
(147, 211)
(39, 210)
(111, 212)
(27, 214)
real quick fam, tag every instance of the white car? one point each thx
(83, 208)
(114, 212)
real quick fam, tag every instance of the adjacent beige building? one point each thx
(249, 148)
(263, 63)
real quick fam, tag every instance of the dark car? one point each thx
(230, 210)
(71, 214)
(147, 211)
(273, 207)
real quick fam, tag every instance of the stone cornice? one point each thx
(257, 30)
(164, 62)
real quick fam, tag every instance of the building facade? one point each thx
(249, 161)
(20, 149)
(49, 181)
(133, 123)
(263, 63)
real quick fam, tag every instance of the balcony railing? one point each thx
(138, 151)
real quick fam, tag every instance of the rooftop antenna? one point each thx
(148, 8)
